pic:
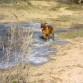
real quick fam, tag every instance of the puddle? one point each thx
(40, 49)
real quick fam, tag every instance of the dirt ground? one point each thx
(67, 64)
(62, 15)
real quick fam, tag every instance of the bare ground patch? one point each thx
(66, 66)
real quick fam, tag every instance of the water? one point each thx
(40, 49)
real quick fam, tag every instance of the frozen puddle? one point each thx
(41, 49)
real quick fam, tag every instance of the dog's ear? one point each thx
(45, 23)
(42, 25)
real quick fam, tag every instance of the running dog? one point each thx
(47, 30)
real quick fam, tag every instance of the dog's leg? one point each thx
(45, 38)
(48, 36)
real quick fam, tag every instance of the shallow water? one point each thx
(40, 49)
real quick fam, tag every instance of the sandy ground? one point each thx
(67, 64)
(66, 67)
(51, 12)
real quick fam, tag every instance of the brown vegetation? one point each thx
(67, 65)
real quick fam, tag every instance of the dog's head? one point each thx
(43, 26)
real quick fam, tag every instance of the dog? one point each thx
(47, 30)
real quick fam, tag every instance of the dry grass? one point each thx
(67, 66)
(72, 34)
(19, 38)
(49, 11)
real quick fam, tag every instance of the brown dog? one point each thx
(47, 30)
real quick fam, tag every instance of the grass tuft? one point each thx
(72, 35)
(64, 18)
(75, 7)
(14, 81)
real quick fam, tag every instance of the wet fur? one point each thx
(47, 30)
